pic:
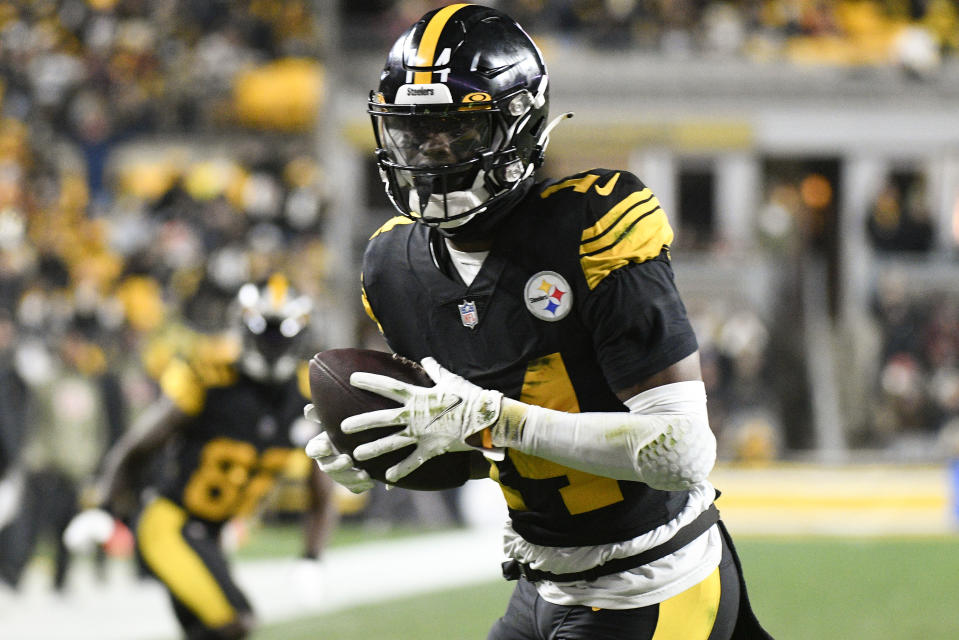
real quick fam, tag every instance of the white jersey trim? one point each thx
(646, 585)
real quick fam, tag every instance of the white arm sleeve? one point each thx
(664, 441)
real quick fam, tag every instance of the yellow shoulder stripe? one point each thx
(182, 385)
(579, 185)
(389, 224)
(610, 228)
(634, 230)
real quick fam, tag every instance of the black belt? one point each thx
(513, 569)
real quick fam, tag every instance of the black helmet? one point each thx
(460, 116)
(273, 321)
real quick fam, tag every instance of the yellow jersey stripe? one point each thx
(366, 305)
(621, 230)
(691, 614)
(426, 52)
(178, 566)
(638, 234)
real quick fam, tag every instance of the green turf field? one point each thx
(816, 589)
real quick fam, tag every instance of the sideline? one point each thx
(125, 608)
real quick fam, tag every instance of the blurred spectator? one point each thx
(913, 35)
(918, 386)
(900, 218)
(13, 402)
(69, 425)
(12, 394)
(734, 352)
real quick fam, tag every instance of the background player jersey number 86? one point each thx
(231, 477)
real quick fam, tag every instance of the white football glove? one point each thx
(339, 466)
(437, 419)
(89, 529)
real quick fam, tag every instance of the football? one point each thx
(336, 399)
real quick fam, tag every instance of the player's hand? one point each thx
(437, 419)
(339, 466)
(89, 529)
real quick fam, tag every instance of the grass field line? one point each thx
(125, 608)
(861, 500)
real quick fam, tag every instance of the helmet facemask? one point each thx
(460, 119)
(446, 163)
(273, 322)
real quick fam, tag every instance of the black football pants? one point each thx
(529, 617)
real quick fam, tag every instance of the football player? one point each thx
(546, 313)
(227, 416)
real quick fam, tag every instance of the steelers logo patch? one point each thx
(548, 296)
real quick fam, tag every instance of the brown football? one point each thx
(336, 399)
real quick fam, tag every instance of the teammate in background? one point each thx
(547, 315)
(70, 410)
(226, 423)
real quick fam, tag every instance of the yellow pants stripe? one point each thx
(178, 566)
(691, 614)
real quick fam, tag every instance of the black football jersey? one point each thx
(226, 459)
(575, 302)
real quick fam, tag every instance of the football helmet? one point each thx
(273, 319)
(460, 117)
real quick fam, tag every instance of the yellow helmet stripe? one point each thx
(279, 287)
(426, 52)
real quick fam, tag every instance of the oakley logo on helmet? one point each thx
(477, 96)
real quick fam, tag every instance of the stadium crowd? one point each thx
(917, 407)
(844, 32)
(155, 155)
(106, 274)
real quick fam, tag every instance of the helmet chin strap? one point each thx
(456, 202)
(438, 205)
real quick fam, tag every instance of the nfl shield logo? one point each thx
(468, 314)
